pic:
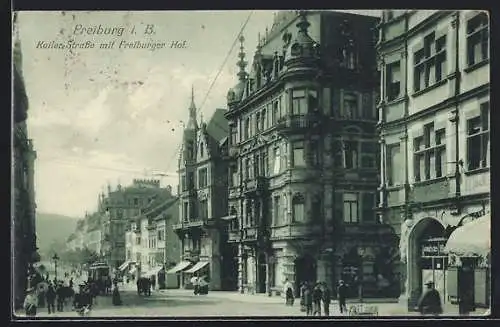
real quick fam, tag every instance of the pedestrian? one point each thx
(71, 282)
(153, 282)
(202, 285)
(326, 298)
(303, 288)
(342, 294)
(317, 295)
(288, 290)
(430, 301)
(194, 282)
(308, 300)
(51, 298)
(30, 302)
(116, 296)
(60, 297)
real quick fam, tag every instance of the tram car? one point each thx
(100, 273)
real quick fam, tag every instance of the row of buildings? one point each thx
(131, 228)
(24, 250)
(351, 147)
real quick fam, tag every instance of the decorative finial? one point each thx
(303, 24)
(242, 63)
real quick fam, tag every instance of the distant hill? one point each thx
(52, 231)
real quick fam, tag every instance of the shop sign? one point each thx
(433, 248)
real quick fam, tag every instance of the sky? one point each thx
(100, 116)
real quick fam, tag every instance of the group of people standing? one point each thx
(200, 284)
(315, 298)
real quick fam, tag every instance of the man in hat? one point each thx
(430, 301)
(342, 295)
(326, 298)
(31, 302)
(317, 294)
(51, 298)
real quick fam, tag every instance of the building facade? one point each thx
(434, 125)
(117, 209)
(203, 200)
(303, 149)
(24, 249)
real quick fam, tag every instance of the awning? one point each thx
(197, 266)
(180, 266)
(124, 265)
(153, 271)
(471, 239)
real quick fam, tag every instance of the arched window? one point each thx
(201, 149)
(298, 208)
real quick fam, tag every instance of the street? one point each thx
(183, 303)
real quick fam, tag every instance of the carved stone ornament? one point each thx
(403, 241)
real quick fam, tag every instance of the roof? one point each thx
(218, 126)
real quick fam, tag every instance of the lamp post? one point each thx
(55, 258)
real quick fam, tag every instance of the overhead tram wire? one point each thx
(214, 80)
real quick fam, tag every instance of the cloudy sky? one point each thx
(101, 116)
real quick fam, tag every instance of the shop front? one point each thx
(469, 250)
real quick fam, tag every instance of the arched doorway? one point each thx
(426, 260)
(305, 271)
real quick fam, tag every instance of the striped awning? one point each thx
(124, 265)
(179, 267)
(473, 238)
(197, 267)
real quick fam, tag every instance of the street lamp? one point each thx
(55, 258)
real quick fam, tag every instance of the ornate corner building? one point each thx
(434, 126)
(203, 202)
(24, 249)
(302, 155)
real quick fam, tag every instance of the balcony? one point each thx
(257, 185)
(296, 231)
(191, 254)
(298, 123)
(250, 234)
(190, 192)
(187, 224)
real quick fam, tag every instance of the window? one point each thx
(351, 208)
(276, 114)
(276, 211)
(298, 154)
(263, 120)
(257, 122)
(264, 164)
(233, 178)
(314, 154)
(185, 211)
(234, 135)
(190, 180)
(312, 100)
(477, 39)
(160, 234)
(247, 128)
(203, 177)
(350, 106)
(393, 164)
(299, 104)
(277, 160)
(136, 201)
(201, 149)
(256, 166)
(430, 62)
(316, 208)
(369, 154)
(430, 154)
(248, 165)
(368, 207)
(351, 154)
(478, 135)
(138, 240)
(393, 71)
(203, 207)
(338, 154)
(298, 208)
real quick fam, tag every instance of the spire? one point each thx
(192, 124)
(242, 74)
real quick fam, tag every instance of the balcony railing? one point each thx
(189, 224)
(298, 122)
(258, 184)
